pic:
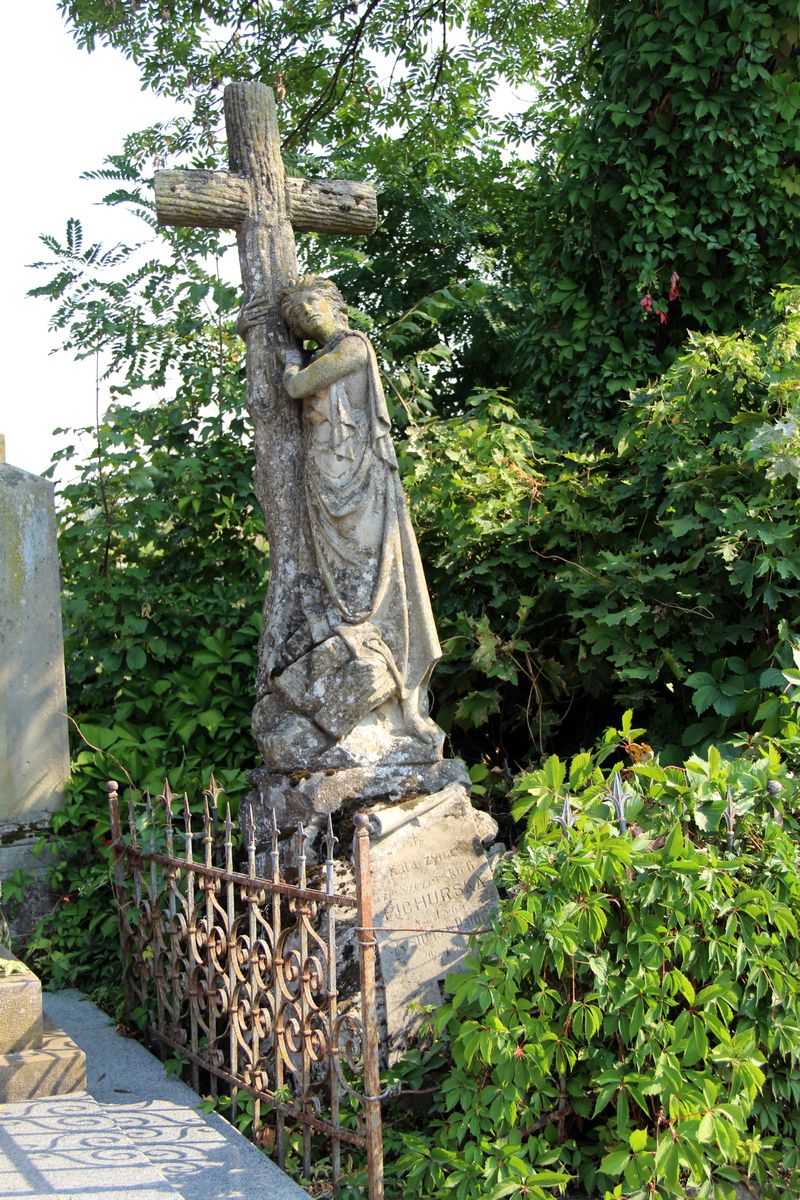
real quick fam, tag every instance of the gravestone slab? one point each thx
(429, 870)
(34, 754)
(34, 757)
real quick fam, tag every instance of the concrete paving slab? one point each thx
(68, 1148)
(201, 1155)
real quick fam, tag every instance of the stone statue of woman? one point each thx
(359, 695)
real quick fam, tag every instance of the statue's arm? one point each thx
(349, 355)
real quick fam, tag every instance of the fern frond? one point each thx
(74, 236)
(119, 169)
(127, 196)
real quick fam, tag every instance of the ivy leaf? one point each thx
(638, 1140)
(615, 1162)
(705, 1130)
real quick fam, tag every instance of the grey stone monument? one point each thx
(34, 753)
(349, 641)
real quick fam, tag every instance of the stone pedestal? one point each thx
(36, 1058)
(34, 753)
(309, 796)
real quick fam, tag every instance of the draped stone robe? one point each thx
(363, 542)
(348, 688)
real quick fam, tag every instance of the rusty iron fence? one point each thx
(236, 974)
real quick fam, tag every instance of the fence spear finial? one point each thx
(730, 814)
(187, 825)
(566, 818)
(617, 798)
(331, 840)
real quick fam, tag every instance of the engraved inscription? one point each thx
(430, 880)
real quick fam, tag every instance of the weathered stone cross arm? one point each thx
(256, 186)
(222, 200)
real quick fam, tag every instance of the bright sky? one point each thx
(64, 111)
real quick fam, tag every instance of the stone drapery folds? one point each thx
(349, 688)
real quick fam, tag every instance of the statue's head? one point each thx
(308, 288)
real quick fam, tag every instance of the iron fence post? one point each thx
(118, 851)
(369, 1014)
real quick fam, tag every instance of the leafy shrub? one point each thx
(164, 571)
(634, 1021)
(655, 573)
(77, 944)
(667, 203)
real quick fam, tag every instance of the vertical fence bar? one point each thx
(209, 834)
(369, 1014)
(156, 962)
(277, 997)
(192, 966)
(333, 1008)
(255, 971)
(137, 935)
(233, 1014)
(134, 844)
(172, 990)
(305, 983)
(118, 851)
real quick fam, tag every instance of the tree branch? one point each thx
(329, 92)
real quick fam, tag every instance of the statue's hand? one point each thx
(254, 311)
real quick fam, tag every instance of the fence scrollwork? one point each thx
(235, 972)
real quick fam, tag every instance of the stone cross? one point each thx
(265, 206)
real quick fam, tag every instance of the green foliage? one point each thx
(668, 204)
(643, 554)
(662, 571)
(648, 189)
(400, 93)
(385, 67)
(164, 571)
(592, 571)
(78, 944)
(14, 887)
(152, 310)
(634, 1021)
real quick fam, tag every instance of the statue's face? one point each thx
(315, 316)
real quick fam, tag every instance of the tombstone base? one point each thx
(432, 885)
(432, 889)
(309, 796)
